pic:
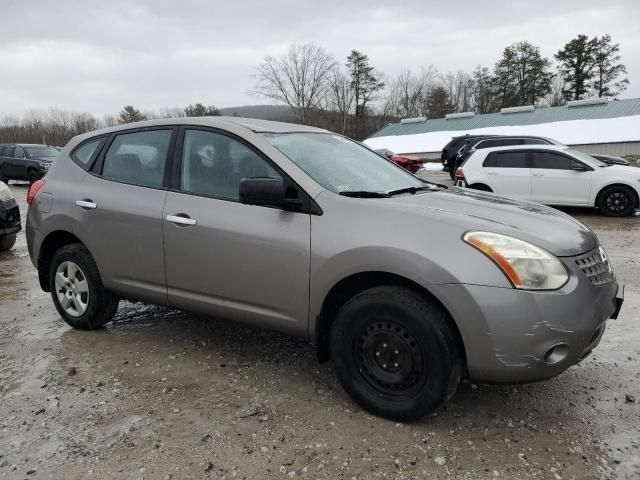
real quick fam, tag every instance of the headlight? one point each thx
(45, 165)
(525, 265)
(5, 193)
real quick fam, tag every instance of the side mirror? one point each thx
(579, 167)
(267, 192)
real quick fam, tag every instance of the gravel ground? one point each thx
(165, 394)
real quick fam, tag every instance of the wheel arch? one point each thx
(356, 283)
(50, 245)
(481, 187)
(616, 184)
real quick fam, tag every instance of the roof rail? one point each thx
(414, 120)
(524, 108)
(587, 102)
(453, 116)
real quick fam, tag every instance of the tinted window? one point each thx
(506, 160)
(502, 142)
(41, 151)
(85, 152)
(6, 151)
(138, 158)
(213, 165)
(18, 153)
(551, 160)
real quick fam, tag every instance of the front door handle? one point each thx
(181, 219)
(87, 204)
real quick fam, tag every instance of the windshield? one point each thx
(41, 151)
(340, 164)
(588, 159)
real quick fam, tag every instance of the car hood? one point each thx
(544, 226)
(623, 170)
(42, 159)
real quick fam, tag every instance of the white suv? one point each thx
(553, 175)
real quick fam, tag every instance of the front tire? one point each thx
(396, 353)
(7, 242)
(77, 290)
(617, 201)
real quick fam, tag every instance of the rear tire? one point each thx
(396, 353)
(33, 176)
(617, 201)
(452, 169)
(7, 242)
(77, 290)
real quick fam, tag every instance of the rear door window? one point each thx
(506, 160)
(19, 153)
(139, 158)
(551, 161)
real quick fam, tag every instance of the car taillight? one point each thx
(33, 189)
(459, 174)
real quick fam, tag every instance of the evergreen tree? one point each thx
(129, 114)
(438, 103)
(607, 68)
(365, 81)
(522, 75)
(576, 60)
(199, 110)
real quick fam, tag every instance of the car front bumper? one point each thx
(514, 336)
(9, 217)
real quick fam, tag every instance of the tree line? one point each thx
(356, 99)
(353, 98)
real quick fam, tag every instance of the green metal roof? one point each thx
(613, 109)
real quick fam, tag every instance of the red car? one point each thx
(411, 163)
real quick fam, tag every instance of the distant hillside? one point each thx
(279, 113)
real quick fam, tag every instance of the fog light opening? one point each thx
(556, 354)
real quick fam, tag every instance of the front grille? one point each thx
(595, 265)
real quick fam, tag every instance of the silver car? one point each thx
(405, 285)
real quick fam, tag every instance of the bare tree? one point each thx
(301, 78)
(408, 92)
(341, 98)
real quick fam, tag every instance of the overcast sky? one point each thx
(98, 56)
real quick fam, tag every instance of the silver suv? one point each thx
(405, 285)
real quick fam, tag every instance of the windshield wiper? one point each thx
(411, 190)
(363, 194)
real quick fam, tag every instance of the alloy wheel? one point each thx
(72, 289)
(617, 201)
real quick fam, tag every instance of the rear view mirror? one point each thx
(579, 167)
(267, 192)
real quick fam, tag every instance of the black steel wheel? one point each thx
(396, 352)
(617, 201)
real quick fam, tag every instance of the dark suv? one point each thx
(451, 149)
(25, 161)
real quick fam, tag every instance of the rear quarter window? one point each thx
(87, 151)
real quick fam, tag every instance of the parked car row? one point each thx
(553, 175)
(25, 161)
(456, 152)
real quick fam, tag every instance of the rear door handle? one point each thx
(87, 204)
(538, 174)
(181, 220)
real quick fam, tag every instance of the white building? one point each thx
(610, 127)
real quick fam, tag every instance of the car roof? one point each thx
(557, 148)
(253, 124)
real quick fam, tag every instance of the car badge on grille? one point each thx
(604, 258)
